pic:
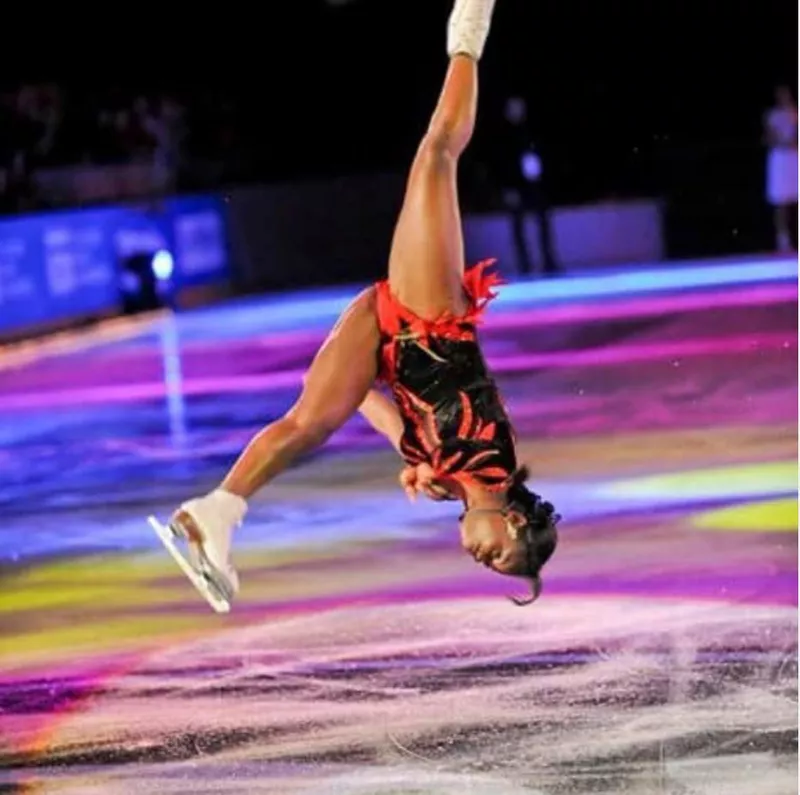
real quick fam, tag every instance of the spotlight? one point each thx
(162, 265)
(145, 281)
(531, 166)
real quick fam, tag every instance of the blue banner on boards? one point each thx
(58, 266)
(198, 242)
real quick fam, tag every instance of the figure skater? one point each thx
(415, 334)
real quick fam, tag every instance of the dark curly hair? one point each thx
(539, 533)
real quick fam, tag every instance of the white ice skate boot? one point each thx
(206, 525)
(468, 27)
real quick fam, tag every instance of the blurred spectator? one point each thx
(780, 134)
(524, 189)
(165, 126)
(23, 135)
(46, 126)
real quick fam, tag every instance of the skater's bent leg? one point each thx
(269, 453)
(426, 263)
(339, 378)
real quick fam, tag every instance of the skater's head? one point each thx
(516, 540)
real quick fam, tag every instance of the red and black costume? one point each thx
(453, 416)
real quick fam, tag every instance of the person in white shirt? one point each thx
(780, 135)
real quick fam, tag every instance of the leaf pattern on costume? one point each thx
(473, 453)
(461, 428)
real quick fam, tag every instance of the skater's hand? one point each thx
(420, 479)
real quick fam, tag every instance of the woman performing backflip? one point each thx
(415, 333)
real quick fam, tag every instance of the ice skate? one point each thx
(199, 538)
(468, 27)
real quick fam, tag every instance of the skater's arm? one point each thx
(383, 416)
(422, 478)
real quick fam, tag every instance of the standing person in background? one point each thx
(164, 125)
(780, 136)
(524, 189)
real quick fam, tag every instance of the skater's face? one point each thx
(490, 538)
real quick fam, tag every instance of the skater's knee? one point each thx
(444, 142)
(313, 426)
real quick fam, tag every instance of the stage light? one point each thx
(531, 166)
(146, 281)
(162, 265)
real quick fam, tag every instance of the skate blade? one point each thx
(202, 581)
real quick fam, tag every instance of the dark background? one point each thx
(627, 97)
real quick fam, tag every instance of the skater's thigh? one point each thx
(426, 264)
(344, 369)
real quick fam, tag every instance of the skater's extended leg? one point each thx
(426, 263)
(336, 384)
